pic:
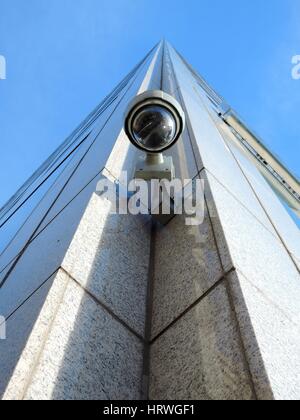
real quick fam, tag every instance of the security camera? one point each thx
(154, 122)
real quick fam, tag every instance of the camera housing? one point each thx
(154, 122)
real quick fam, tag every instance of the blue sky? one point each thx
(64, 56)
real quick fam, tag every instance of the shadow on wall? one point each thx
(103, 347)
(94, 354)
(102, 359)
(23, 320)
(18, 330)
(95, 348)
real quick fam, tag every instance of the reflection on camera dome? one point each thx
(154, 128)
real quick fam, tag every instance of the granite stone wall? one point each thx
(103, 306)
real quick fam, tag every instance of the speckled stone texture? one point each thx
(297, 261)
(271, 338)
(88, 355)
(109, 256)
(187, 264)
(25, 335)
(225, 312)
(201, 357)
(257, 253)
(282, 221)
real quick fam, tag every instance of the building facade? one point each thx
(108, 306)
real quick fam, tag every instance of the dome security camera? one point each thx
(154, 122)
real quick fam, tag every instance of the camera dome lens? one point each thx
(154, 128)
